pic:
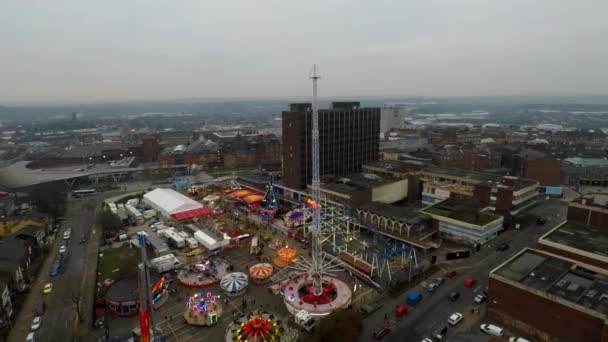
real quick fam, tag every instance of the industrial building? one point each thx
(348, 138)
(584, 171)
(565, 299)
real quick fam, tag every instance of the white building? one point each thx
(172, 204)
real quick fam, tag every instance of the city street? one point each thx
(59, 322)
(434, 309)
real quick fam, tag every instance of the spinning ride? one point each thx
(234, 284)
(202, 309)
(259, 326)
(285, 256)
(260, 273)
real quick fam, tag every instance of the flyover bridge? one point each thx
(18, 175)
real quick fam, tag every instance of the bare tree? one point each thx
(76, 299)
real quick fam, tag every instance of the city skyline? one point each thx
(77, 53)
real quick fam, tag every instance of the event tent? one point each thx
(171, 203)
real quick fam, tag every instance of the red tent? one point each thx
(188, 214)
(469, 282)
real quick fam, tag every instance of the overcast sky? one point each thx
(115, 50)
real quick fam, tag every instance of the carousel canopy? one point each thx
(260, 271)
(234, 282)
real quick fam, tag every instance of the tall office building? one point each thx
(348, 138)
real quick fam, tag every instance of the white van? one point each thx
(518, 339)
(492, 329)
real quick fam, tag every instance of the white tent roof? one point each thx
(170, 202)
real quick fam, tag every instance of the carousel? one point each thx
(285, 256)
(203, 309)
(259, 326)
(260, 273)
(211, 200)
(297, 217)
(234, 284)
(205, 273)
(299, 294)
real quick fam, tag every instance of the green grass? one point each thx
(118, 263)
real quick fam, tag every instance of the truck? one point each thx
(165, 263)
(305, 320)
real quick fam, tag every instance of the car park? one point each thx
(480, 298)
(455, 318)
(48, 288)
(380, 333)
(453, 296)
(36, 322)
(492, 329)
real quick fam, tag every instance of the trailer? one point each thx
(165, 263)
(174, 240)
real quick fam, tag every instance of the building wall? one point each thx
(390, 193)
(543, 170)
(348, 138)
(596, 217)
(573, 256)
(504, 202)
(541, 317)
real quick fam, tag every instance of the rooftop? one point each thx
(357, 182)
(514, 183)
(582, 237)
(558, 277)
(403, 214)
(587, 162)
(464, 211)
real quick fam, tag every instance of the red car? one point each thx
(380, 333)
(450, 274)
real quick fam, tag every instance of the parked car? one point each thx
(62, 249)
(83, 238)
(455, 318)
(67, 234)
(492, 329)
(502, 247)
(194, 252)
(427, 340)
(518, 339)
(36, 322)
(439, 280)
(430, 286)
(31, 337)
(48, 288)
(450, 274)
(439, 334)
(541, 220)
(380, 333)
(480, 298)
(453, 296)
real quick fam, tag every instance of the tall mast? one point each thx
(317, 259)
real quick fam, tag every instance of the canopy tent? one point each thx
(260, 272)
(234, 284)
(169, 202)
(189, 214)
(212, 243)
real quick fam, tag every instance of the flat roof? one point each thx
(579, 236)
(410, 215)
(487, 178)
(464, 211)
(587, 162)
(558, 277)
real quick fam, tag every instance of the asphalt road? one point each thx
(60, 319)
(432, 312)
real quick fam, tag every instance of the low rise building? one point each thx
(584, 171)
(588, 211)
(565, 300)
(464, 221)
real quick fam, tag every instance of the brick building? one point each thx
(586, 211)
(451, 135)
(564, 298)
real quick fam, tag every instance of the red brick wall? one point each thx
(559, 321)
(581, 215)
(504, 202)
(545, 171)
(573, 256)
(482, 194)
